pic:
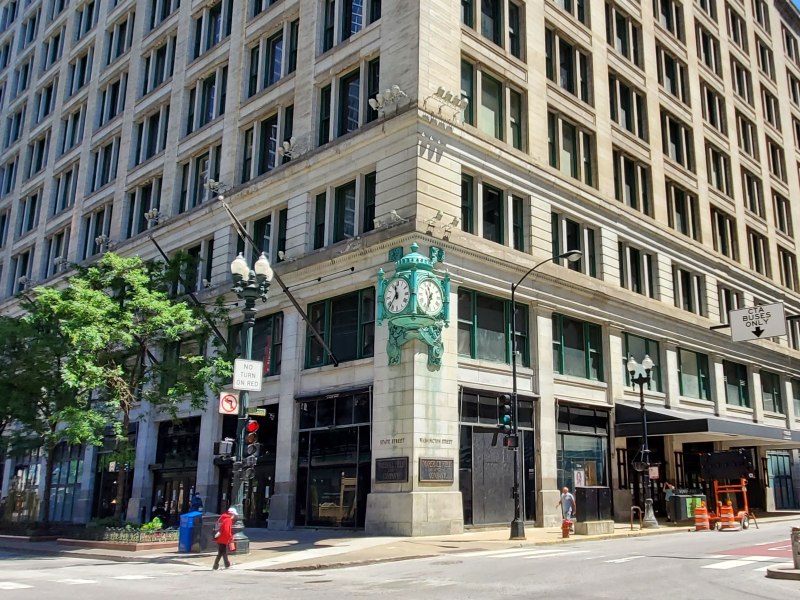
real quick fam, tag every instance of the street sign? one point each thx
(757, 322)
(247, 375)
(257, 412)
(229, 403)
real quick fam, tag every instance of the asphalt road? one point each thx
(725, 565)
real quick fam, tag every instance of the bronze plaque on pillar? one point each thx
(436, 470)
(391, 470)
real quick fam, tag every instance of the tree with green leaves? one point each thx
(130, 340)
(38, 409)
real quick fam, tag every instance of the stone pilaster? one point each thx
(671, 375)
(142, 492)
(718, 389)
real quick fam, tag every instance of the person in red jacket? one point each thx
(224, 536)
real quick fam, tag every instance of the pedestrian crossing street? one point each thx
(722, 562)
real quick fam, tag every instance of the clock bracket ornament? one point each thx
(415, 302)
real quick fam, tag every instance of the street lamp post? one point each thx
(518, 525)
(249, 285)
(643, 466)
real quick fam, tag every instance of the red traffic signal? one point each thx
(252, 426)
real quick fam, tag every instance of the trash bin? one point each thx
(683, 506)
(189, 531)
(206, 538)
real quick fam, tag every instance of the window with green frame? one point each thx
(346, 323)
(694, 375)
(639, 347)
(577, 348)
(796, 397)
(771, 392)
(737, 391)
(484, 328)
(491, 207)
(571, 235)
(267, 342)
(468, 203)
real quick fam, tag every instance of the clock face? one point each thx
(429, 297)
(397, 295)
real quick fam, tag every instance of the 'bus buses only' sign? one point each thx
(757, 322)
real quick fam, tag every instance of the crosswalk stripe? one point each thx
(511, 552)
(11, 585)
(132, 577)
(625, 559)
(728, 564)
(76, 581)
(764, 568)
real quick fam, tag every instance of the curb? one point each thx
(784, 571)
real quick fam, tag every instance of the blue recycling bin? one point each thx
(189, 530)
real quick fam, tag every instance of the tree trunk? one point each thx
(44, 509)
(122, 474)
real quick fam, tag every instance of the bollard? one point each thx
(796, 546)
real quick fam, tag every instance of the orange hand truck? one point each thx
(744, 516)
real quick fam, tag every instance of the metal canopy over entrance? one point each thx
(666, 421)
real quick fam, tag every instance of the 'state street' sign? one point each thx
(247, 375)
(757, 322)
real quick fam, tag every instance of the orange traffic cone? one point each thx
(701, 518)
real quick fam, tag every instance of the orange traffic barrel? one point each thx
(726, 518)
(701, 518)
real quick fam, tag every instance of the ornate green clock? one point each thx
(415, 302)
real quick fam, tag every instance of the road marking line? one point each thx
(759, 558)
(728, 564)
(556, 554)
(624, 560)
(76, 581)
(508, 552)
(133, 577)
(787, 547)
(718, 556)
(764, 568)
(10, 585)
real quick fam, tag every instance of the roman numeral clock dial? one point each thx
(397, 295)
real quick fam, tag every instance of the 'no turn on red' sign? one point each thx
(757, 322)
(247, 375)
(229, 403)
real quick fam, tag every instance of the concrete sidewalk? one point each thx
(306, 549)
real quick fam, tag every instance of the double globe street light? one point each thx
(642, 462)
(518, 525)
(249, 285)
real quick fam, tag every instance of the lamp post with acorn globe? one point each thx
(249, 285)
(641, 463)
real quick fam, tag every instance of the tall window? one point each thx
(788, 265)
(719, 170)
(728, 300)
(28, 212)
(708, 50)
(724, 227)
(72, 127)
(269, 235)
(141, 199)
(346, 323)
(690, 290)
(119, 38)
(694, 374)
(766, 61)
(632, 182)
(207, 99)
(212, 25)
(783, 214)
(627, 106)
(342, 19)
(639, 347)
(493, 106)
(637, 270)
(758, 250)
(742, 81)
(771, 395)
(95, 224)
(349, 107)
(577, 8)
(105, 159)
(713, 108)
(577, 348)
(484, 328)
(57, 247)
(624, 34)
(746, 131)
(194, 174)
(344, 211)
(570, 149)
(683, 211)
(111, 100)
(260, 143)
(777, 160)
(737, 30)
(158, 64)
(65, 187)
(267, 342)
(272, 58)
(568, 65)
(677, 141)
(493, 213)
(753, 193)
(568, 234)
(160, 10)
(737, 390)
(150, 135)
(772, 111)
(499, 21)
(79, 71)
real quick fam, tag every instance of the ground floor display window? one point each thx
(22, 503)
(779, 467)
(582, 452)
(67, 470)
(175, 472)
(486, 466)
(334, 460)
(114, 459)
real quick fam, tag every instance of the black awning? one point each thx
(664, 421)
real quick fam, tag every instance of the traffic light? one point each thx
(251, 437)
(506, 424)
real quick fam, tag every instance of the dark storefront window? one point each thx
(112, 458)
(67, 471)
(485, 466)
(176, 466)
(23, 494)
(582, 447)
(334, 460)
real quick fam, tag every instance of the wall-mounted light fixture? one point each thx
(382, 100)
(451, 102)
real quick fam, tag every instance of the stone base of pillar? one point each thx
(414, 513)
(548, 513)
(281, 512)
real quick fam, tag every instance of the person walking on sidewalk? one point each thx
(567, 504)
(224, 536)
